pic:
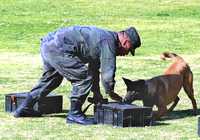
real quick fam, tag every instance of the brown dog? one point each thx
(163, 90)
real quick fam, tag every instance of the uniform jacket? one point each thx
(92, 45)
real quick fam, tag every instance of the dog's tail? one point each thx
(168, 55)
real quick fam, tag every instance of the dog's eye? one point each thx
(134, 92)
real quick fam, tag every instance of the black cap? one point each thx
(134, 37)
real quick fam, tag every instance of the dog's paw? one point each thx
(195, 112)
(115, 96)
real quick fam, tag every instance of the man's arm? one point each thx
(108, 68)
(94, 70)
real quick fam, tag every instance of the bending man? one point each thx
(77, 53)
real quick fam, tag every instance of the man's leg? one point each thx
(74, 70)
(79, 94)
(50, 80)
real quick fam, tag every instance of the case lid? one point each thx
(122, 106)
(24, 94)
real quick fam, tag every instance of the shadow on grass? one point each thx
(179, 114)
(157, 123)
(63, 114)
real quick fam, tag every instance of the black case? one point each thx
(123, 115)
(49, 104)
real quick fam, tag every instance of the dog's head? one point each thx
(135, 90)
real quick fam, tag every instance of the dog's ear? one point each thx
(140, 82)
(127, 81)
(137, 85)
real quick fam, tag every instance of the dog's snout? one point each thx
(126, 101)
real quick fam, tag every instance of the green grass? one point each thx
(164, 25)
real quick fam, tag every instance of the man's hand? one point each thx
(115, 96)
(97, 98)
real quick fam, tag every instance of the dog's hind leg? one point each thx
(188, 87)
(174, 104)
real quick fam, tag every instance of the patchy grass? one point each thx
(180, 124)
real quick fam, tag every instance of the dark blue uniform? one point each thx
(77, 53)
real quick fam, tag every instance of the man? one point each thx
(77, 53)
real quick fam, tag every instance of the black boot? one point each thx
(26, 108)
(75, 114)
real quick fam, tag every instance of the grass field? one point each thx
(164, 25)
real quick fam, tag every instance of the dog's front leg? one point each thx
(162, 109)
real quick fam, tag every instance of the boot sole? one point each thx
(75, 122)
